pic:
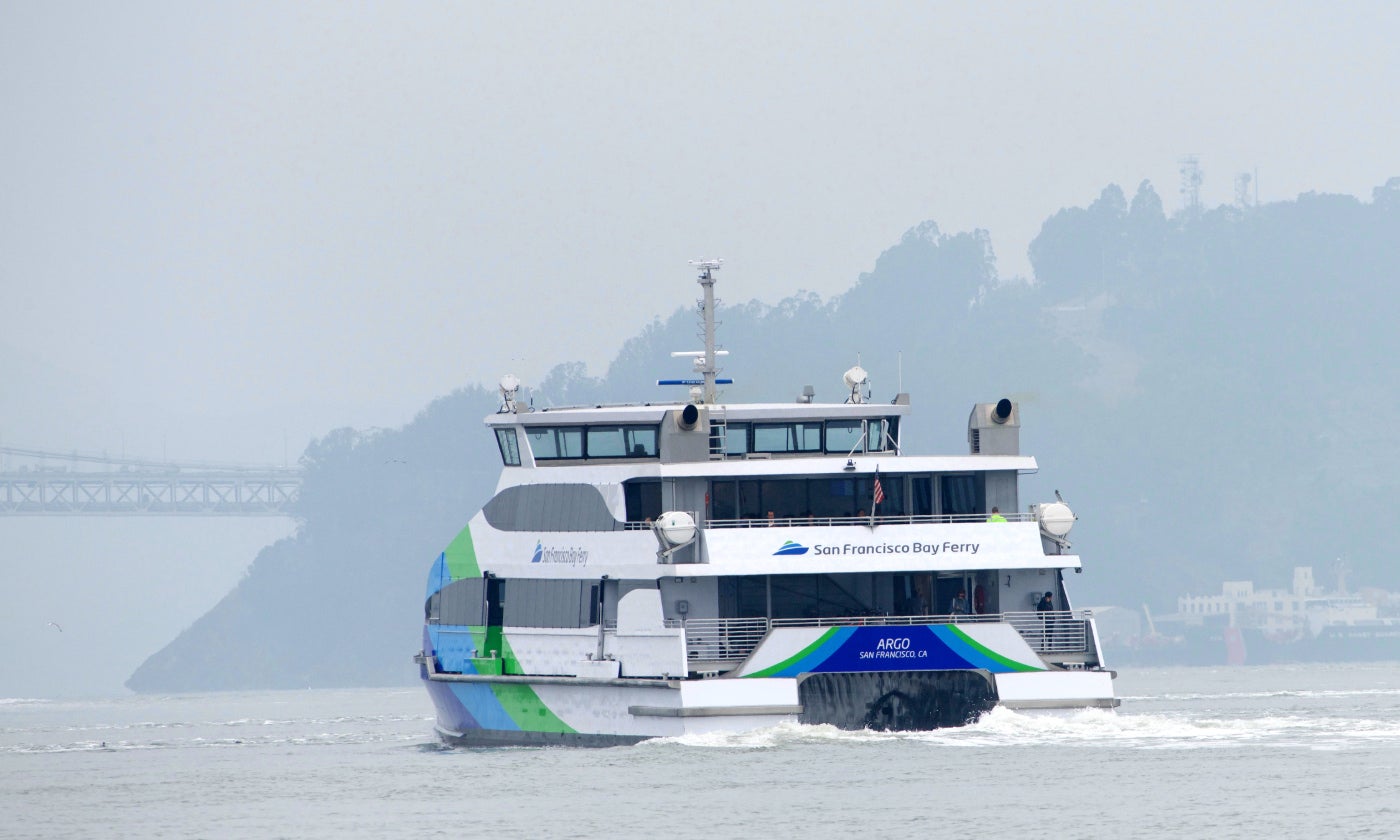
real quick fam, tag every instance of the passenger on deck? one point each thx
(770, 519)
(996, 515)
(959, 605)
(1046, 607)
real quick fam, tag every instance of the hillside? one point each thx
(1212, 392)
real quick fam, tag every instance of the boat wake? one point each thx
(1088, 728)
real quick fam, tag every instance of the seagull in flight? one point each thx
(54, 624)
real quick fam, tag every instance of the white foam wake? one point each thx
(1003, 728)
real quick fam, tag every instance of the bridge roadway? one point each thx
(128, 487)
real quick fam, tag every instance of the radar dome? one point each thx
(1056, 518)
(675, 527)
(855, 376)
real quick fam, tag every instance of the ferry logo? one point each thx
(571, 556)
(791, 547)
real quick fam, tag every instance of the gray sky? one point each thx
(225, 222)
(228, 228)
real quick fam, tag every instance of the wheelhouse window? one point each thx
(882, 434)
(736, 438)
(621, 442)
(510, 447)
(787, 437)
(554, 443)
(843, 436)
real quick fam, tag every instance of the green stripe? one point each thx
(988, 652)
(521, 702)
(527, 709)
(796, 657)
(461, 557)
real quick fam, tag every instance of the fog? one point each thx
(228, 230)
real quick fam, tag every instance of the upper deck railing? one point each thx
(893, 519)
(827, 521)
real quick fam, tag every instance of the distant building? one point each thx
(1278, 611)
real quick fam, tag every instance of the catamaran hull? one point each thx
(486, 711)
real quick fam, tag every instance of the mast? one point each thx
(707, 312)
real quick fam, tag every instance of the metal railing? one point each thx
(1057, 631)
(722, 639)
(732, 640)
(881, 519)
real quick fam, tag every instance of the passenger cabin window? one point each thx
(787, 437)
(922, 497)
(552, 444)
(510, 447)
(643, 499)
(813, 499)
(959, 494)
(820, 499)
(621, 442)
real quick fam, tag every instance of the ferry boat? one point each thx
(658, 570)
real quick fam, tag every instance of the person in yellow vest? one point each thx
(996, 515)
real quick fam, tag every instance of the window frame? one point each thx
(501, 436)
(556, 431)
(628, 443)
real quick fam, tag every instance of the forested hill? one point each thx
(1213, 392)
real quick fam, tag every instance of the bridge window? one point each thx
(787, 437)
(882, 435)
(845, 435)
(552, 444)
(736, 438)
(510, 447)
(622, 442)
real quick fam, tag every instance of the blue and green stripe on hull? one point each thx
(927, 647)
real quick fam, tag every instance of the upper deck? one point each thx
(693, 433)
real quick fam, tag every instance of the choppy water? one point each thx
(1275, 752)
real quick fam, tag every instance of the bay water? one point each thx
(1279, 752)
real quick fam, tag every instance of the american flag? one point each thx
(879, 491)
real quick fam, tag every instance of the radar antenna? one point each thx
(707, 313)
(702, 390)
